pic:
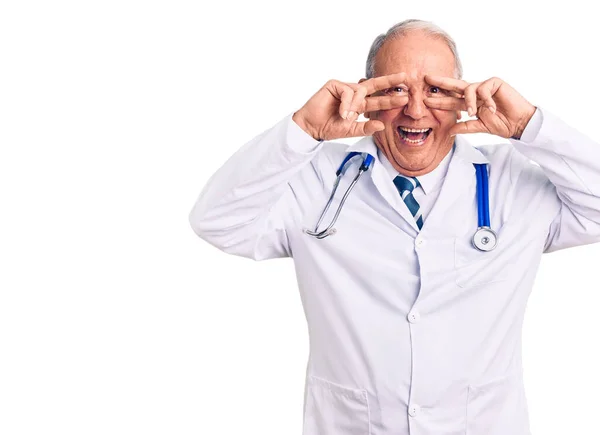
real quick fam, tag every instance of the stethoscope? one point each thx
(485, 239)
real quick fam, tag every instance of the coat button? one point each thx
(414, 316)
(419, 242)
(413, 410)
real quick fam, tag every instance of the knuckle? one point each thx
(331, 83)
(360, 91)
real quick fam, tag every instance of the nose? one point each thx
(415, 108)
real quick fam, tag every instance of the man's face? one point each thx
(416, 138)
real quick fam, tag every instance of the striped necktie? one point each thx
(405, 186)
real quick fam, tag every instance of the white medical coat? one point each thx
(410, 332)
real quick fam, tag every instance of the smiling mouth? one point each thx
(415, 136)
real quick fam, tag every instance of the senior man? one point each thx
(414, 323)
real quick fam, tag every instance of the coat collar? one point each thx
(460, 176)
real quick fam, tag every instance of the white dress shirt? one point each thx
(430, 183)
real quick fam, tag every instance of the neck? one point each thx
(420, 170)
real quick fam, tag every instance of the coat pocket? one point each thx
(498, 407)
(474, 267)
(332, 409)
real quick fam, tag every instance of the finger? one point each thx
(365, 128)
(344, 93)
(455, 94)
(358, 102)
(486, 92)
(385, 102)
(468, 127)
(446, 103)
(485, 95)
(471, 98)
(447, 83)
(383, 82)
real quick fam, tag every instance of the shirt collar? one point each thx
(428, 181)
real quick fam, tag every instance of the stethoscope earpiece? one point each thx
(367, 162)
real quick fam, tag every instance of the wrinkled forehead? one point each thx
(416, 54)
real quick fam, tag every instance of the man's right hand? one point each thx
(331, 113)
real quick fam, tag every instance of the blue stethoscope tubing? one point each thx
(483, 209)
(365, 166)
(484, 239)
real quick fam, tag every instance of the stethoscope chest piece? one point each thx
(485, 239)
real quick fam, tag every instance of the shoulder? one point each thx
(331, 155)
(507, 162)
(334, 150)
(519, 183)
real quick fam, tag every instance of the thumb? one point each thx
(467, 127)
(373, 126)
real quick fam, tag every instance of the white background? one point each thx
(114, 317)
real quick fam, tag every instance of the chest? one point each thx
(376, 237)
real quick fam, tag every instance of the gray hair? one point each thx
(401, 29)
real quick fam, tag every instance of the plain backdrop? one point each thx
(114, 317)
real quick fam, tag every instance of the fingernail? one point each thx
(470, 111)
(492, 109)
(350, 115)
(345, 114)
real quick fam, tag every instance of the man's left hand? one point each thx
(500, 110)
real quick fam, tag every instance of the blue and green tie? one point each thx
(405, 186)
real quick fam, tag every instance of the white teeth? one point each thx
(413, 141)
(414, 130)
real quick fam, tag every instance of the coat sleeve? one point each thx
(570, 163)
(244, 206)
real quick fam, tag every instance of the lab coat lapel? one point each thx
(384, 185)
(460, 180)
